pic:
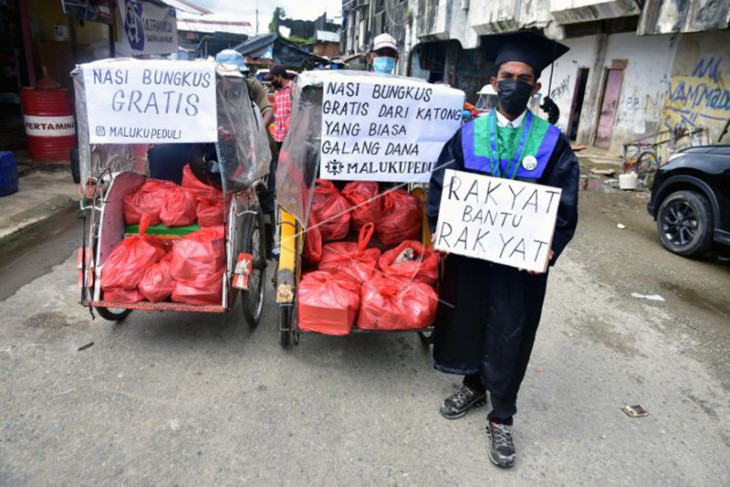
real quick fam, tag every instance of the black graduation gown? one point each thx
(489, 313)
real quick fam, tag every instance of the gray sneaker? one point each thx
(458, 404)
(502, 451)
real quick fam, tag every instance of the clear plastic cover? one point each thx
(299, 158)
(243, 146)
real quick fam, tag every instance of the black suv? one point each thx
(690, 199)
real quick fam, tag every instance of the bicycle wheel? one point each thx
(112, 314)
(646, 163)
(254, 243)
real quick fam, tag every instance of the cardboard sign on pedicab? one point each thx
(143, 101)
(383, 128)
(500, 220)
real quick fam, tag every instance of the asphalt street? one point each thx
(188, 399)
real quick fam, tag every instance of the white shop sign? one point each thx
(385, 129)
(499, 220)
(150, 102)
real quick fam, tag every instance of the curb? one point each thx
(29, 220)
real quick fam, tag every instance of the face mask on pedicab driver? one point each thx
(384, 64)
(513, 95)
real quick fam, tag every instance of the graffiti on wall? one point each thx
(560, 89)
(701, 99)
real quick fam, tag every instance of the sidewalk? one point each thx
(41, 195)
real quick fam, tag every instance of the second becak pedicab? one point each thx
(354, 241)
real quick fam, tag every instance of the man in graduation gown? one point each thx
(490, 313)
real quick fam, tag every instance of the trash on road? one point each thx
(84, 347)
(620, 226)
(650, 297)
(635, 411)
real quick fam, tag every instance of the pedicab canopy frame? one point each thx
(126, 106)
(374, 127)
(155, 94)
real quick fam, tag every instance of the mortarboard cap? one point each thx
(527, 47)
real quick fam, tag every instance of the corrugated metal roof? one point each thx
(186, 6)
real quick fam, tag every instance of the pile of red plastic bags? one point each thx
(355, 282)
(187, 270)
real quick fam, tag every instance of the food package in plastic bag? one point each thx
(179, 208)
(392, 304)
(367, 205)
(312, 243)
(198, 256)
(148, 199)
(411, 261)
(119, 295)
(206, 291)
(157, 284)
(352, 259)
(128, 261)
(209, 214)
(327, 303)
(401, 218)
(331, 210)
(199, 188)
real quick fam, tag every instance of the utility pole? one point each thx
(257, 17)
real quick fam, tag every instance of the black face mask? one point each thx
(513, 95)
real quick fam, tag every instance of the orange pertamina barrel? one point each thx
(49, 122)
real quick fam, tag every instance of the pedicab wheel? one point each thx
(254, 243)
(286, 333)
(426, 337)
(113, 314)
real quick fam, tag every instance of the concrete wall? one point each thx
(648, 62)
(698, 92)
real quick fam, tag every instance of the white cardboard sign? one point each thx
(135, 101)
(385, 129)
(499, 220)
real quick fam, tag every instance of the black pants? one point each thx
(487, 330)
(268, 196)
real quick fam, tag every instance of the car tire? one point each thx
(685, 224)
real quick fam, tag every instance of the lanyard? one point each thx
(494, 160)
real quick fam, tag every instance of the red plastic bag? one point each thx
(206, 291)
(198, 256)
(199, 188)
(352, 259)
(401, 218)
(312, 243)
(179, 208)
(331, 210)
(157, 284)
(128, 261)
(327, 303)
(392, 304)
(148, 199)
(119, 295)
(210, 215)
(367, 206)
(423, 267)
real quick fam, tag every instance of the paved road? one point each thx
(165, 399)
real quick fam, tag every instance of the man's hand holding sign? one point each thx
(499, 220)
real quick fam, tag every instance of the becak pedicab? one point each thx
(171, 155)
(355, 247)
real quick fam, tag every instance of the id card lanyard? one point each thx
(494, 161)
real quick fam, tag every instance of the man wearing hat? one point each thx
(256, 90)
(383, 54)
(487, 329)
